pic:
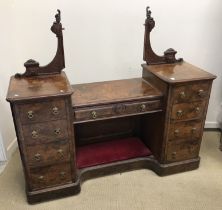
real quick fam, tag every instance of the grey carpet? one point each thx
(142, 189)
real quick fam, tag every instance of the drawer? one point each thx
(40, 133)
(189, 130)
(178, 151)
(51, 176)
(42, 111)
(190, 93)
(117, 110)
(186, 111)
(48, 153)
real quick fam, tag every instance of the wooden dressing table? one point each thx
(70, 133)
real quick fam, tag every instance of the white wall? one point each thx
(104, 40)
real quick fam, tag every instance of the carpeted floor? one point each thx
(142, 189)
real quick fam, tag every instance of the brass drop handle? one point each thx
(55, 110)
(37, 157)
(62, 175)
(143, 107)
(176, 132)
(201, 93)
(179, 113)
(60, 153)
(34, 134)
(30, 114)
(193, 130)
(174, 155)
(57, 131)
(94, 115)
(41, 178)
(197, 109)
(182, 95)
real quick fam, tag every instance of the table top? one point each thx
(37, 87)
(113, 91)
(178, 72)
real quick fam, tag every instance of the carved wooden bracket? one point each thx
(58, 62)
(148, 55)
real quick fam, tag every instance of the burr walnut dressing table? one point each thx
(70, 133)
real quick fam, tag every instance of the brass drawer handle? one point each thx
(94, 115)
(176, 132)
(60, 153)
(143, 107)
(57, 131)
(197, 109)
(182, 95)
(201, 93)
(62, 175)
(55, 110)
(37, 157)
(41, 178)
(179, 113)
(30, 114)
(34, 134)
(120, 108)
(193, 130)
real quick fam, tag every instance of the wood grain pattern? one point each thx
(113, 92)
(178, 72)
(98, 112)
(42, 111)
(188, 111)
(44, 177)
(38, 87)
(45, 154)
(189, 130)
(45, 132)
(193, 92)
(182, 150)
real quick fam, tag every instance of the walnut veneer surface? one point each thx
(113, 91)
(165, 110)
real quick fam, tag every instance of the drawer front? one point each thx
(48, 153)
(178, 151)
(190, 93)
(39, 133)
(116, 110)
(186, 111)
(185, 130)
(42, 111)
(50, 176)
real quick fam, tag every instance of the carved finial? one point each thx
(148, 12)
(148, 55)
(58, 16)
(58, 62)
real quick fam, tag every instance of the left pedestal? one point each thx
(42, 113)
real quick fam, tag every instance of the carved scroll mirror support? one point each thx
(58, 62)
(149, 55)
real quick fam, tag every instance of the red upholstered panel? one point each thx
(110, 151)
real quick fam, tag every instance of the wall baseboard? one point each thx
(211, 124)
(2, 166)
(9, 152)
(11, 148)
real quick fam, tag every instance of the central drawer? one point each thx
(113, 110)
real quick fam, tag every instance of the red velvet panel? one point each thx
(110, 151)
